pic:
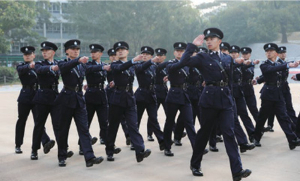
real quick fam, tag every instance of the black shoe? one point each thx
(251, 139)
(47, 147)
(245, 147)
(271, 130)
(140, 157)
(205, 151)
(132, 147)
(128, 140)
(294, 144)
(80, 151)
(219, 139)
(62, 163)
(183, 135)
(117, 150)
(196, 172)
(162, 146)
(34, 155)
(93, 161)
(177, 142)
(18, 150)
(256, 143)
(102, 142)
(94, 140)
(110, 158)
(70, 154)
(150, 138)
(169, 153)
(242, 174)
(213, 148)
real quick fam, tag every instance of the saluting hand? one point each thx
(106, 67)
(32, 65)
(294, 77)
(255, 62)
(155, 59)
(247, 62)
(54, 67)
(293, 65)
(84, 59)
(111, 84)
(254, 82)
(198, 41)
(165, 79)
(239, 60)
(85, 87)
(138, 58)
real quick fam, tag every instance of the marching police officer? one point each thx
(177, 100)
(238, 93)
(109, 89)
(95, 95)
(122, 103)
(247, 82)
(72, 104)
(216, 100)
(48, 75)
(145, 94)
(286, 92)
(161, 88)
(272, 97)
(29, 83)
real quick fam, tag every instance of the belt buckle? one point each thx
(184, 86)
(77, 88)
(278, 84)
(222, 84)
(35, 86)
(151, 87)
(127, 88)
(53, 87)
(100, 86)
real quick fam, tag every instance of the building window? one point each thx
(64, 8)
(54, 7)
(53, 28)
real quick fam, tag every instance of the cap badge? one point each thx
(158, 51)
(233, 48)
(75, 43)
(44, 45)
(269, 45)
(26, 49)
(112, 50)
(281, 48)
(179, 45)
(244, 49)
(146, 48)
(119, 44)
(222, 44)
(93, 47)
(208, 32)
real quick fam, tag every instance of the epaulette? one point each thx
(171, 60)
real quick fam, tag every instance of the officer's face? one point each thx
(48, 54)
(162, 58)
(112, 58)
(146, 56)
(225, 51)
(246, 56)
(213, 43)
(73, 52)
(282, 56)
(178, 54)
(29, 57)
(234, 55)
(122, 53)
(96, 55)
(271, 54)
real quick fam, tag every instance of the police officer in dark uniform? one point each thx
(95, 95)
(72, 104)
(247, 82)
(178, 100)
(161, 88)
(238, 93)
(272, 97)
(122, 103)
(48, 75)
(109, 89)
(216, 100)
(29, 81)
(225, 47)
(286, 93)
(145, 94)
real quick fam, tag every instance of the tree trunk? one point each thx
(283, 33)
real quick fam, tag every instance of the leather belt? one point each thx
(126, 88)
(239, 82)
(33, 87)
(150, 87)
(183, 86)
(53, 87)
(218, 84)
(98, 86)
(278, 83)
(76, 88)
(249, 81)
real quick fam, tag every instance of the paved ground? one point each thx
(272, 162)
